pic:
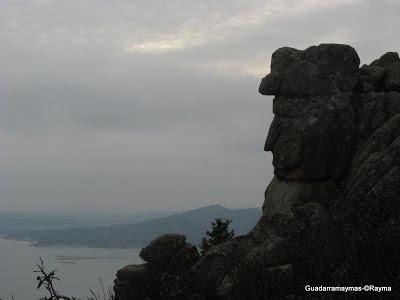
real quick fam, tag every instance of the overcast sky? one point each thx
(130, 106)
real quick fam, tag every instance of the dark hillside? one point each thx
(193, 224)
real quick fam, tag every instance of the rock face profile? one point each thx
(331, 214)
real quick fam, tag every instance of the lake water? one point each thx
(79, 268)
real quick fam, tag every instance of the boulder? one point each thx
(132, 282)
(162, 249)
(169, 259)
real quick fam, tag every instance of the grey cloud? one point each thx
(87, 124)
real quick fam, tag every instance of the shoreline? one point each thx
(33, 243)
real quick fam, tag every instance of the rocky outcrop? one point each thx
(167, 259)
(331, 213)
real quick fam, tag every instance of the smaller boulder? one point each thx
(131, 272)
(131, 282)
(162, 249)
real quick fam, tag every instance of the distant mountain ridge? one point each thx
(192, 223)
(17, 221)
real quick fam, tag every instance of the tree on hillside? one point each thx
(219, 233)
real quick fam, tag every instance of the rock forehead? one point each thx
(339, 62)
(164, 247)
(319, 70)
(283, 58)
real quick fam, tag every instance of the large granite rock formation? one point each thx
(332, 211)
